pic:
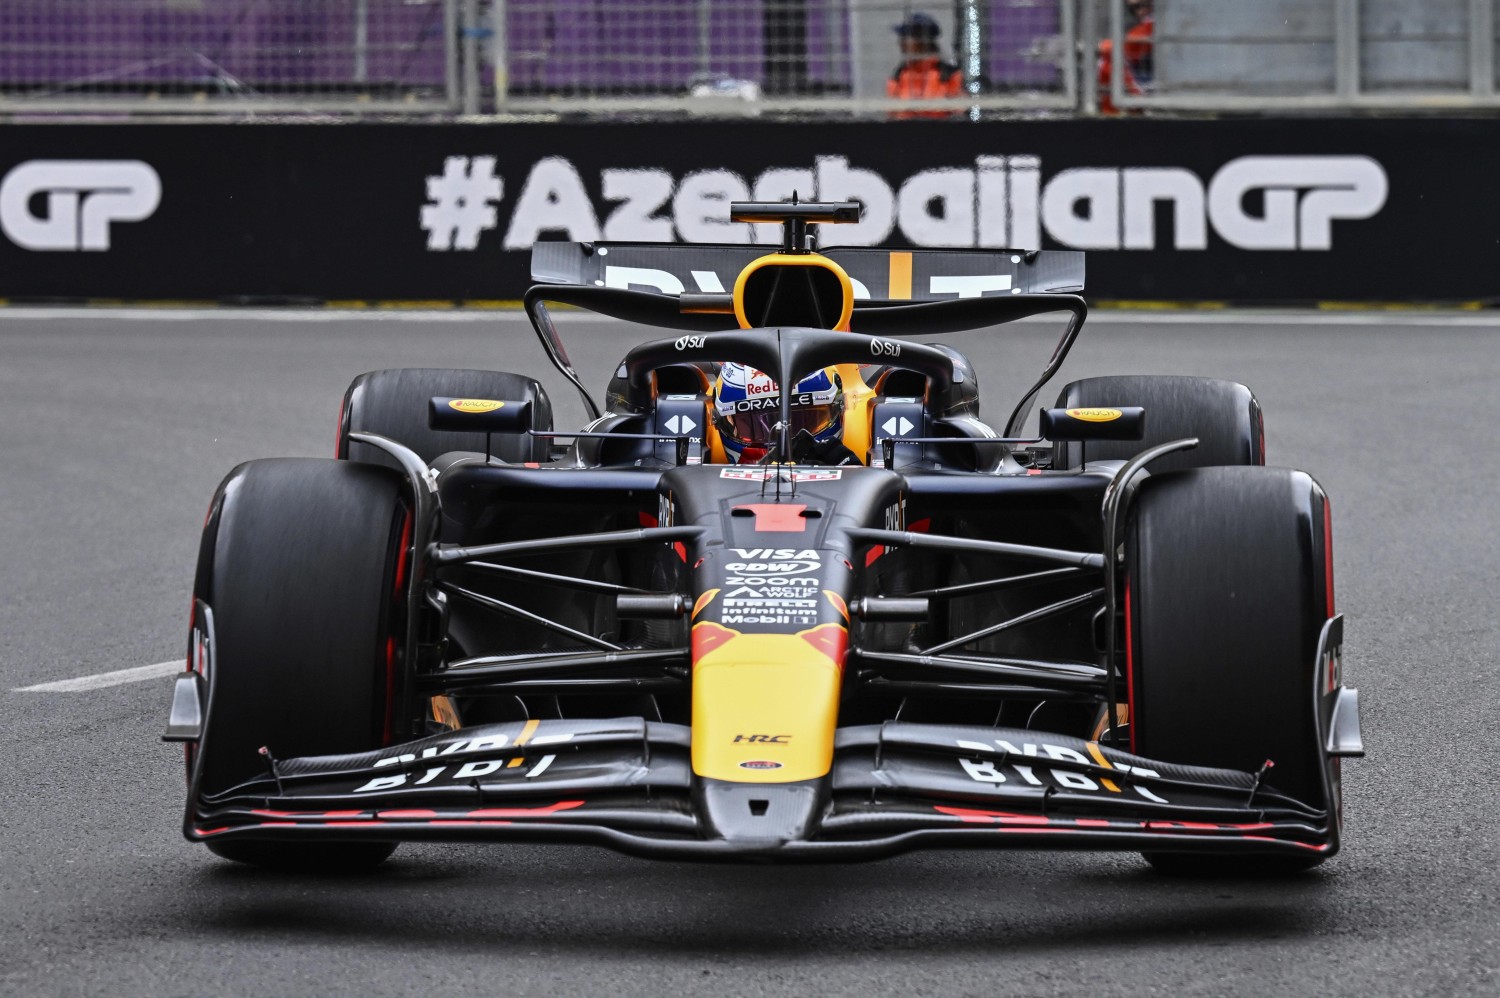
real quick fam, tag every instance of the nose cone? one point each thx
(765, 705)
(760, 818)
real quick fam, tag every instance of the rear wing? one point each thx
(879, 276)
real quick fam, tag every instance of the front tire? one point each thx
(1228, 585)
(1224, 415)
(303, 563)
(393, 403)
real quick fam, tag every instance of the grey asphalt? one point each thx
(114, 432)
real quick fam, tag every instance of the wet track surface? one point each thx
(114, 432)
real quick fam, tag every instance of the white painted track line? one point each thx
(119, 677)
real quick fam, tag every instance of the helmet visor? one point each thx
(757, 428)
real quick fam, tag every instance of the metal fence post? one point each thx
(970, 45)
(450, 53)
(704, 16)
(470, 57)
(500, 53)
(361, 41)
(1346, 48)
(1117, 52)
(853, 24)
(1087, 44)
(1068, 25)
(1482, 47)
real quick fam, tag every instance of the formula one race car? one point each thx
(726, 621)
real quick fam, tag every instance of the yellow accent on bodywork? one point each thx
(857, 398)
(1099, 758)
(900, 277)
(766, 684)
(794, 260)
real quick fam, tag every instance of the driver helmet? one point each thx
(747, 407)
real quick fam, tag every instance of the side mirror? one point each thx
(478, 415)
(1094, 423)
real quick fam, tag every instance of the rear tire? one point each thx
(1228, 585)
(303, 564)
(1223, 415)
(393, 403)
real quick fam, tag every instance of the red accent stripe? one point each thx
(874, 554)
(681, 551)
(403, 556)
(778, 518)
(1129, 670)
(526, 812)
(647, 520)
(830, 639)
(921, 526)
(1320, 847)
(408, 814)
(1000, 817)
(388, 723)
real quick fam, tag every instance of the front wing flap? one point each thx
(628, 784)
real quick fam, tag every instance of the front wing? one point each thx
(628, 784)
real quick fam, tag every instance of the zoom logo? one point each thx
(70, 204)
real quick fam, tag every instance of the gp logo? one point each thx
(79, 201)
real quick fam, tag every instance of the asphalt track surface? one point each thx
(114, 432)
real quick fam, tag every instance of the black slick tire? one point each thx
(1227, 587)
(1223, 415)
(302, 563)
(393, 403)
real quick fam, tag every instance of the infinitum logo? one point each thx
(79, 199)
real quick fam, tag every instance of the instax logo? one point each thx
(82, 198)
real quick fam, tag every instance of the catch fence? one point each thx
(739, 58)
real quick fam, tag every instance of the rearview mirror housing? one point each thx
(1126, 422)
(465, 415)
